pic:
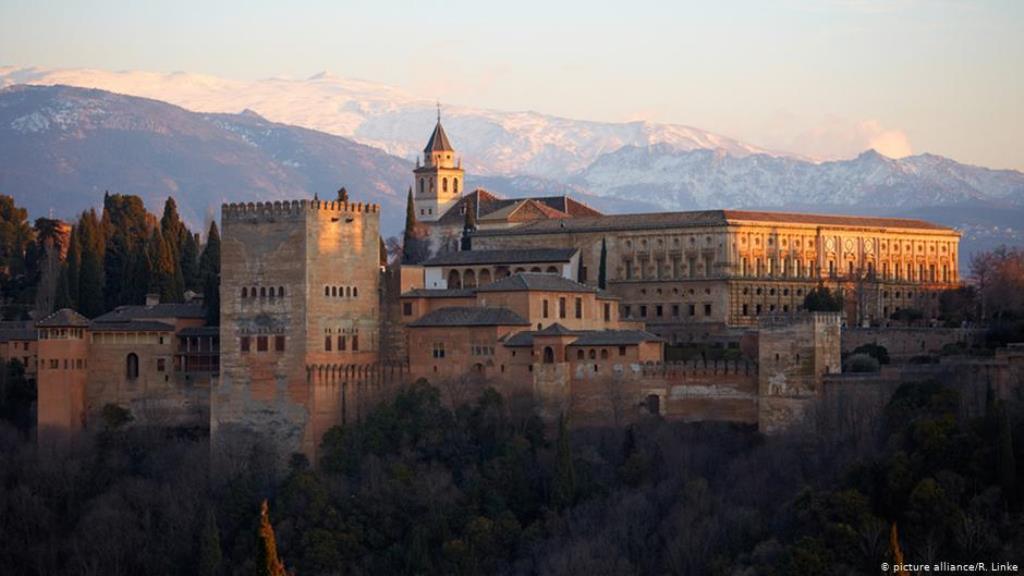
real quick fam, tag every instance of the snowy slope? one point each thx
(492, 142)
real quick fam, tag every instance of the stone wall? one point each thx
(905, 343)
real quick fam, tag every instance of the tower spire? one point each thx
(438, 111)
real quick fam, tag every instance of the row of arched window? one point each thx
(344, 342)
(262, 292)
(341, 291)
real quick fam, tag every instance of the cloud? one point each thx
(837, 138)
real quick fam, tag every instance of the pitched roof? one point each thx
(200, 331)
(63, 318)
(555, 329)
(131, 326)
(704, 218)
(533, 281)
(470, 316)
(490, 206)
(438, 140)
(162, 310)
(513, 256)
(614, 338)
(17, 330)
(439, 293)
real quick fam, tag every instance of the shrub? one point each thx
(876, 351)
(862, 363)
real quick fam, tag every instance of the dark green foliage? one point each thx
(17, 395)
(115, 417)
(209, 273)
(126, 265)
(415, 245)
(908, 315)
(959, 306)
(861, 363)
(602, 270)
(190, 263)
(563, 493)
(876, 351)
(822, 299)
(91, 279)
(18, 255)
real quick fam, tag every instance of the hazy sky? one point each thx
(824, 78)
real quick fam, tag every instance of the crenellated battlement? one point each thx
(701, 368)
(237, 211)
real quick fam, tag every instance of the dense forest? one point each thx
(417, 488)
(103, 260)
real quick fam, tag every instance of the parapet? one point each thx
(291, 208)
(703, 368)
(770, 321)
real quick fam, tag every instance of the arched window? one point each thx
(280, 291)
(535, 269)
(454, 280)
(341, 342)
(263, 292)
(334, 291)
(355, 292)
(444, 184)
(348, 291)
(252, 292)
(552, 270)
(131, 366)
(604, 354)
(579, 354)
(327, 290)
(485, 277)
(593, 354)
(455, 185)
(245, 292)
(549, 355)
(469, 278)
(421, 185)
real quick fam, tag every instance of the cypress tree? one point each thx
(383, 249)
(268, 564)
(209, 273)
(602, 270)
(190, 262)
(62, 295)
(171, 226)
(210, 555)
(90, 275)
(74, 265)
(409, 239)
(564, 492)
(165, 274)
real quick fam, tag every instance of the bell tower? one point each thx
(438, 179)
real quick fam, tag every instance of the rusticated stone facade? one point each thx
(691, 276)
(300, 287)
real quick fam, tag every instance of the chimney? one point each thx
(152, 299)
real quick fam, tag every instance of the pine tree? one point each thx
(602, 270)
(564, 492)
(268, 564)
(210, 555)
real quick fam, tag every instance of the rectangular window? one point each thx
(622, 350)
(327, 343)
(545, 309)
(279, 343)
(561, 307)
(261, 343)
(341, 343)
(675, 310)
(627, 311)
(692, 310)
(407, 308)
(54, 364)
(355, 342)
(607, 312)
(438, 350)
(643, 311)
(658, 311)
(161, 364)
(707, 309)
(579, 308)
(245, 343)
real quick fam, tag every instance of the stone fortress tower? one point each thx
(438, 182)
(300, 286)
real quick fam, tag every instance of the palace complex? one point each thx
(541, 297)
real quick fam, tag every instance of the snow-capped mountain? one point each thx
(491, 142)
(678, 179)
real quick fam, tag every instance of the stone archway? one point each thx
(469, 279)
(454, 280)
(484, 277)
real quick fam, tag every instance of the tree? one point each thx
(165, 276)
(210, 556)
(190, 263)
(602, 270)
(564, 490)
(268, 564)
(127, 229)
(17, 243)
(74, 265)
(821, 299)
(342, 195)
(382, 251)
(209, 273)
(90, 276)
(1007, 460)
(409, 239)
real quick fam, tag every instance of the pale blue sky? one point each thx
(828, 76)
